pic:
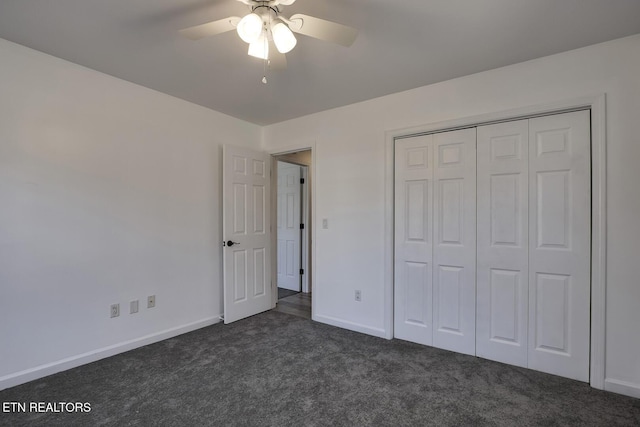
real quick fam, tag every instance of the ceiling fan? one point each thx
(265, 27)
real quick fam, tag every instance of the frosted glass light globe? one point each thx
(259, 48)
(250, 28)
(283, 37)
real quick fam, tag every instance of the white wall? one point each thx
(109, 192)
(350, 181)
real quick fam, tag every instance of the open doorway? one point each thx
(293, 233)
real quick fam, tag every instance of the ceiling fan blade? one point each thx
(323, 30)
(283, 2)
(277, 60)
(211, 28)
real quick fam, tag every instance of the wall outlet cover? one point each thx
(115, 310)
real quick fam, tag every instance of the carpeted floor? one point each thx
(275, 369)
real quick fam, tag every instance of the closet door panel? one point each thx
(454, 250)
(502, 254)
(559, 244)
(413, 239)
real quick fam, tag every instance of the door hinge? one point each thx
(301, 180)
(302, 271)
(301, 226)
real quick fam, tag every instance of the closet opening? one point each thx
(496, 234)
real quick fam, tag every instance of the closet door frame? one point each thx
(596, 104)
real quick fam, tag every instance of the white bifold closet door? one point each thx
(534, 204)
(435, 240)
(503, 242)
(560, 244)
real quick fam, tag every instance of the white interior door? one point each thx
(413, 262)
(454, 253)
(503, 242)
(559, 244)
(289, 220)
(246, 252)
(434, 301)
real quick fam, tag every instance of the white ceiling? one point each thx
(402, 44)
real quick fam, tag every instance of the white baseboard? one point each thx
(41, 371)
(357, 327)
(622, 387)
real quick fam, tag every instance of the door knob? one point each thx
(231, 243)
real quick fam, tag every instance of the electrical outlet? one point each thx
(325, 223)
(115, 310)
(358, 295)
(133, 307)
(151, 301)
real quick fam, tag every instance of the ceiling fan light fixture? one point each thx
(250, 28)
(259, 48)
(283, 37)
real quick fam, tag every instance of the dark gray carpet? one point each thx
(276, 369)
(283, 293)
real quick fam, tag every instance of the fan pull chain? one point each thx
(264, 71)
(266, 44)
